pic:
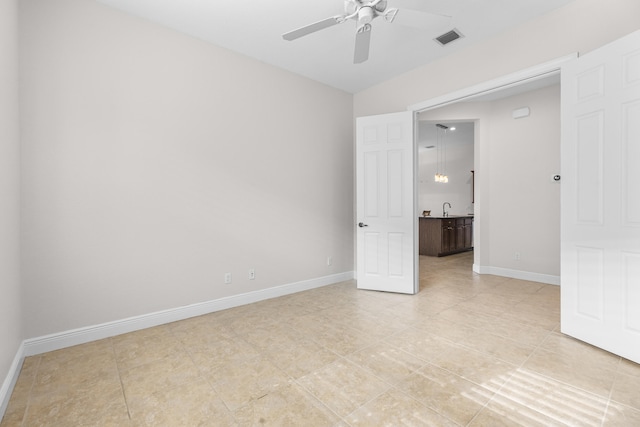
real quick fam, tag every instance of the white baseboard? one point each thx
(476, 268)
(87, 334)
(10, 380)
(518, 274)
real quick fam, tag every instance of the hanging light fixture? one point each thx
(441, 154)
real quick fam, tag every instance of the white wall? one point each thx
(524, 207)
(153, 163)
(519, 204)
(10, 301)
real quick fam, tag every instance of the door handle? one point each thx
(362, 224)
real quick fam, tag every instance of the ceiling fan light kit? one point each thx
(363, 12)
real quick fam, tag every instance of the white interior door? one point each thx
(601, 198)
(386, 231)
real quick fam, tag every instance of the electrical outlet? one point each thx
(516, 256)
(227, 278)
(252, 273)
(329, 260)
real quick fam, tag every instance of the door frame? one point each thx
(508, 81)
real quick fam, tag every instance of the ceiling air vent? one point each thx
(448, 37)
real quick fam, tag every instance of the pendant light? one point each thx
(441, 154)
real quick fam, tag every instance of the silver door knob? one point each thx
(362, 224)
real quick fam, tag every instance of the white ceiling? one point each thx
(255, 29)
(428, 134)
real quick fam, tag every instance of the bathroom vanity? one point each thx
(440, 236)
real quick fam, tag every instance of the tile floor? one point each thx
(468, 350)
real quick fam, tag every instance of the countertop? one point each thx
(446, 217)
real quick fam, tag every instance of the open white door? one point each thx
(386, 235)
(601, 198)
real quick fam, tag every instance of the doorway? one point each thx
(516, 205)
(445, 159)
(393, 127)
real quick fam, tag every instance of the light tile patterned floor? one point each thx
(468, 350)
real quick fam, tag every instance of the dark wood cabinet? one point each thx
(448, 236)
(468, 233)
(459, 227)
(445, 236)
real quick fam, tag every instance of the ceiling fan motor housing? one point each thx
(365, 15)
(361, 11)
(352, 7)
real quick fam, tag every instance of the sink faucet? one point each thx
(445, 213)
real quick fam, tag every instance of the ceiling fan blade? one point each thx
(312, 28)
(363, 39)
(435, 8)
(423, 20)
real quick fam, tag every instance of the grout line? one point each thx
(29, 394)
(615, 379)
(316, 398)
(115, 360)
(504, 384)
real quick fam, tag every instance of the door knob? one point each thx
(362, 224)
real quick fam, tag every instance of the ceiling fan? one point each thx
(361, 11)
